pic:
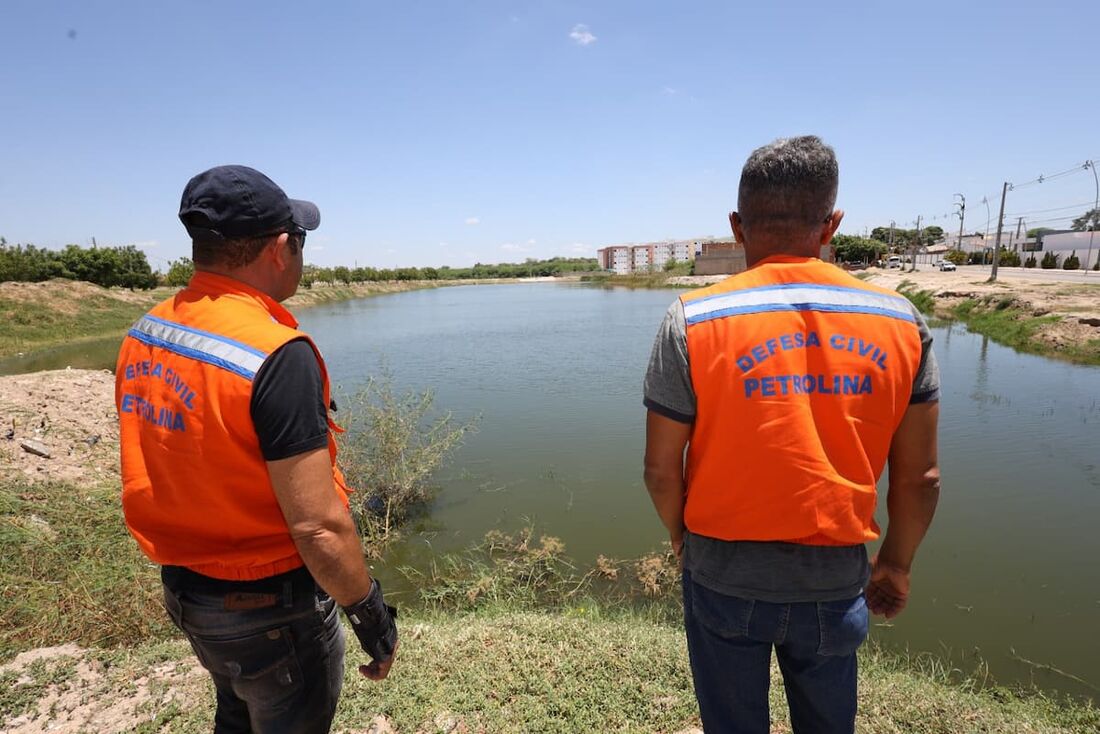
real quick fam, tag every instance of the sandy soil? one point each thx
(69, 413)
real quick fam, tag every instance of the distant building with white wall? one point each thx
(616, 258)
(644, 258)
(1063, 244)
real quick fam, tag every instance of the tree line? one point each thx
(125, 266)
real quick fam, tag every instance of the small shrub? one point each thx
(391, 448)
(1049, 262)
(1030, 262)
(956, 256)
(1010, 259)
(1072, 262)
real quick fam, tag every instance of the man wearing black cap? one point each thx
(229, 467)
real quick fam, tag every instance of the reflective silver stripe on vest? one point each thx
(797, 297)
(200, 345)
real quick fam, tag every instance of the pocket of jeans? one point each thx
(262, 668)
(843, 626)
(725, 616)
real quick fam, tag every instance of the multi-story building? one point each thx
(644, 258)
(616, 258)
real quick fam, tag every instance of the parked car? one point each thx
(894, 261)
(945, 265)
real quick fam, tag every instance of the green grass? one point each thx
(506, 671)
(70, 572)
(508, 636)
(922, 299)
(1004, 323)
(25, 326)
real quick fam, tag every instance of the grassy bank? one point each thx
(508, 636)
(35, 316)
(65, 312)
(507, 671)
(1006, 320)
(659, 279)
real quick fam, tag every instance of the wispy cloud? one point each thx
(581, 35)
(579, 247)
(147, 244)
(444, 244)
(315, 248)
(512, 247)
(473, 220)
(530, 242)
(670, 91)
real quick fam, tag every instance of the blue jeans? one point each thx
(274, 647)
(730, 643)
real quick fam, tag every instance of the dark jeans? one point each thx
(730, 643)
(274, 647)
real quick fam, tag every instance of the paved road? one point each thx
(1035, 274)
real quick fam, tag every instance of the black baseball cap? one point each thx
(232, 202)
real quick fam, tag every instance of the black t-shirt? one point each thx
(288, 404)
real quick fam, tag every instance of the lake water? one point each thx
(1009, 573)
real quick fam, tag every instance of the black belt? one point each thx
(281, 589)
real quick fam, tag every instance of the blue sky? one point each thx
(453, 132)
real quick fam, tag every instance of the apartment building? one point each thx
(644, 258)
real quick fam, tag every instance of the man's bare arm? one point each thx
(911, 503)
(664, 472)
(320, 525)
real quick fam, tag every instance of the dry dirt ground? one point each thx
(1077, 303)
(70, 414)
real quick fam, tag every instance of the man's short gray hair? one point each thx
(788, 185)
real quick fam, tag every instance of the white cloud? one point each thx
(579, 247)
(581, 35)
(473, 220)
(511, 247)
(146, 245)
(530, 242)
(444, 244)
(316, 248)
(669, 91)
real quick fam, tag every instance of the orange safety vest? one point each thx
(802, 374)
(195, 487)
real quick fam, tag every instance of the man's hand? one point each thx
(888, 589)
(378, 671)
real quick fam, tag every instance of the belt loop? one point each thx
(288, 594)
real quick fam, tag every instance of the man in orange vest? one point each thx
(790, 385)
(229, 477)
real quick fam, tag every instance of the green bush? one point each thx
(1049, 262)
(392, 446)
(956, 256)
(179, 272)
(1030, 262)
(1009, 258)
(125, 267)
(1072, 262)
(976, 258)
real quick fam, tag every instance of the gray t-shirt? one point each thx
(768, 571)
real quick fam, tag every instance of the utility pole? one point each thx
(962, 215)
(1095, 213)
(891, 234)
(1000, 226)
(1016, 242)
(913, 249)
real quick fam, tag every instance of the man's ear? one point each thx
(832, 224)
(737, 227)
(279, 252)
